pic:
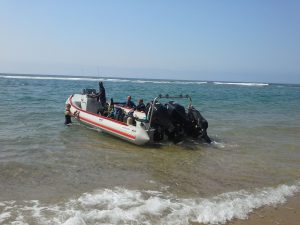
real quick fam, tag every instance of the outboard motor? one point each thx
(179, 120)
(177, 112)
(199, 125)
(160, 121)
(173, 121)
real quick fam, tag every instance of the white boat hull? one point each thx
(135, 134)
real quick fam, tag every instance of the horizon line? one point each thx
(116, 77)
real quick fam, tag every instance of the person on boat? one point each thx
(101, 94)
(111, 109)
(130, 103)
(141, 106)
(68, 115)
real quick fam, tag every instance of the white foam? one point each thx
(168, 82)
(122, 206)
(218, 144)
(152, 81)
(63, 78)
(75, 220)
(242, 84)
(50, 78)
(4, 216)
(190, 82)
(118, 80)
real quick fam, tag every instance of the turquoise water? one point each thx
(54, 174)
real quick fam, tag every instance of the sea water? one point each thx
(56, 174)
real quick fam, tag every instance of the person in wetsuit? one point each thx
(130, 103)
(141, 106)
(68, 115)
(101, 94)
(119, 112)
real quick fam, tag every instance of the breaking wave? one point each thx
(120, 80)
(49, 78)
(242, 84)
(169, 82)
(100, 79)
(122, 206)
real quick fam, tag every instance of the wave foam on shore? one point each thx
(123, 206)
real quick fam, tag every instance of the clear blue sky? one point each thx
(204, 40)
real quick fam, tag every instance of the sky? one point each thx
(254, 41)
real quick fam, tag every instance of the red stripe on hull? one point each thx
(101, 125)
(108, 128)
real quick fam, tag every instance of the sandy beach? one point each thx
(282, 214)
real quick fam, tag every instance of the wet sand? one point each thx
(282, 214)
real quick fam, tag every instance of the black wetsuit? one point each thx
(130, 104)
(141, 107)
(102, 95)
(67, 118)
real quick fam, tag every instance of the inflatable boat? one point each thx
(160, 121)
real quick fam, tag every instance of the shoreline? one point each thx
(287, 213)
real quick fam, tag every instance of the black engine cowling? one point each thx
(172, 120)
(199, 125)
(160, 121)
